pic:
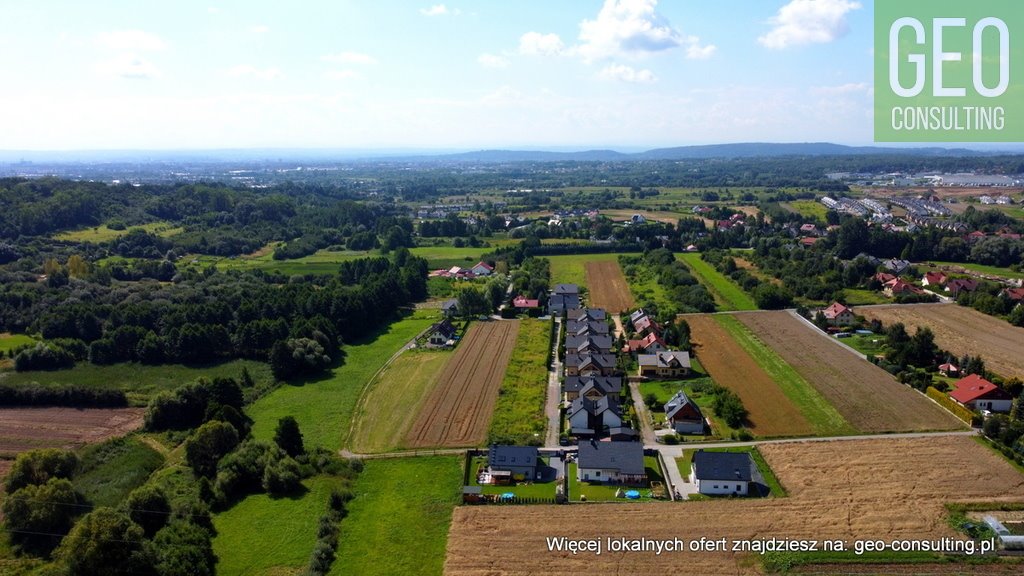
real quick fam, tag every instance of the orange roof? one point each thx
(974, 387)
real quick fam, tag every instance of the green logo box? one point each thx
(949, 70)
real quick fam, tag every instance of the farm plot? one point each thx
(728, 295)
(847, 490)
(729, 365)
(24, 429)
(868, 397)
(459, 409)
(608, 287)
(962, 330)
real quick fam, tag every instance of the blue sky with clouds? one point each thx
(111, 74)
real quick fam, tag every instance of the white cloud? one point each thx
(844, 89)
(626, 27)
(694, 51)
(246, 71)
(349, 58)
(340, 74)
(625, 73)
(435, 10)
(809, 22)
(537, 44)
(259, 29)
(492, 61)
(131, 41)
(128, 66)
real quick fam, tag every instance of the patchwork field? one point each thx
(869, 398)
(771, 412)
(459, 408)
(962, 330)
(24, 429)
(571, 269)
(847, 490)
(608, 287)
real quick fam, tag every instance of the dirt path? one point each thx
(553, 401)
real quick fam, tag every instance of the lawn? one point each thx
(570, 269)
(519, 412)
(398, 522)
(531, 489)
(323, 406)
(770, 480)
(856, 297)
(393, 398)
(12, 341)
(101, 233)
(728, 295)
(825, 419)
(447, 256)
(694, 389)
(108, 472)
(138, 381)
(271, 536)
(867, 344)
(606, 492)
(320, 262)
(808, 208)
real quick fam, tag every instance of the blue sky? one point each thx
(627, 74)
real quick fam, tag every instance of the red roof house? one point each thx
(977, 393)
(649, 344)
(1015, 294)
(883, 277)
(934, 279)
(957, 285)
(838, 315)
(898, 286)
(524, 302)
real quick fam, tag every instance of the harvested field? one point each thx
(608, 287)
(961, 330)
(24, 429)
(869, 398)
(729, 365)
(459, 409)
(849, 490)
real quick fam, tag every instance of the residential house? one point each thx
(977, 393)
(897, 287)
(683, 415)
(589, 344)
(585, 328)
(808, 242)
(958, 285)
(810, 230)
(987, 200)
(839, 315)
(724, 473)
(590, 364)
(592, 387)
(482, 269)
(442, 333)
(563, 298)
(587, 315)
(648, 345)
(519, 461)
(667, 364)
(644, 325)
(524, 303)
(975, 236)
(1014, 294)
(1004, 200)
(883, 277)
(612, 462)
(623, 434)
(450, 308)
(934, 279)
(637, 315)
(593, 417)
(896, 266)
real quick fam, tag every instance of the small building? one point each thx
(524, 303)
(958, 285)
(589, 344)
(667, 364)
(934, 279)
(450, 308)
(949, 369)
(976, 393)
(649, 344)
(644, 325)
(591, 418)
(482, 269)
(472, 494)
(590, 364)
(592, 387)
(896, 266)
(1013, 294)
(897, 287)
(587, 315)
(611, 462)
(520, 461)
(883, 277)
(442, 333)
(563, 298)
(810, 230)
(839, 315)
(683, 415)
(586, 328)
(623, 434)
(723, 473)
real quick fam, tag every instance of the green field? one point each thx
(108, 472)
(438, 257)
(777, 490)
(393, 399)
(138, 381)
(993, 270)
(398, 522)
(12, 341)
(271, 536)
(101, 233)
(323, 405)
(808, 208)
(815, 408)
(856, 297)
(728, 295)
(519, 412)
(320, 262)
(570, 269)
(867, 344)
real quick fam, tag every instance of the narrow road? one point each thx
(619, 329)
(646, 427)
(554, 399)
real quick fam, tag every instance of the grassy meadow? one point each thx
(519, 412)
(728, 295)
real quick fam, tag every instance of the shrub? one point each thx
(39, 466)
(43, 356)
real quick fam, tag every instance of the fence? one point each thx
(951, 405)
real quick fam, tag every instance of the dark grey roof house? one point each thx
(611, 462)
(519, 460)
(724, 473)
(592, 385)
(592, 343)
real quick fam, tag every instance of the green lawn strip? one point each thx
(815, 408)
(264, 535)
(138, 381)
(856, 297)
(12, 341)
(519, 413)
(770, 480)
(108, 472)
(867, 344)
(320, 262)
(730, 295)
(782, 562)
(398, 522)
(995, 450)
(383, 417)
(324, 405)
(526, 489)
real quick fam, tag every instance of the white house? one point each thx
(591, 417)
(613, 462)
(723, 473)
(482, 269)
(977, 393)
(839, 315)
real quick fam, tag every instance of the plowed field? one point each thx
(24, 429)
(962, 330)
(459, 409)
(885, 489)
(608, 287)
(771, 413)
(869, 398)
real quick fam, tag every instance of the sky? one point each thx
(405, 74)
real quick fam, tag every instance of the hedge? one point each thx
(949, 404)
